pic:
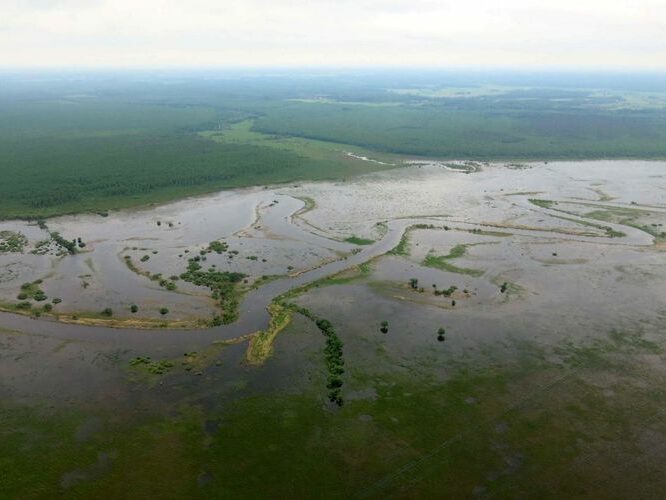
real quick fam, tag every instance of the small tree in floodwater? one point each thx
(414, 283)
(384, 327)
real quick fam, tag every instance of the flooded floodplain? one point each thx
(496, 329)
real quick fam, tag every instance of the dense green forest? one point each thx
(450, 131)
(53, 175)
(58, 157)
(73, 142)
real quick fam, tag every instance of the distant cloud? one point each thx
(590, 33)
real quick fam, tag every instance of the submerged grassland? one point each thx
(475, 423)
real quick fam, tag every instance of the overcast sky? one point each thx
(576, 33)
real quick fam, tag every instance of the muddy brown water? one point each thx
(196, 220)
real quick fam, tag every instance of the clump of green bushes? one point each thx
(155, 367)
(11, 242)
(70, 246)
(32, 291)
(218, 246)
(447, 292)
(222, 284)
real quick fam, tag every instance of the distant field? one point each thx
(310, 150)
(71, 143)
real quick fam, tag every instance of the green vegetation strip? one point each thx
(260, 347)
(442, 262)
(610, 232)
(549, 204)
(333, 354)
(355, 240)
(628, 217)
(169, 284)
(542, 203)
(281, 312)
(402, 248)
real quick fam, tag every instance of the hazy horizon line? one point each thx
(346, 67)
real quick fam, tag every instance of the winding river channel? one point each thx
(253, 311)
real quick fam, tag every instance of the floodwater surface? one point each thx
(502, 332)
